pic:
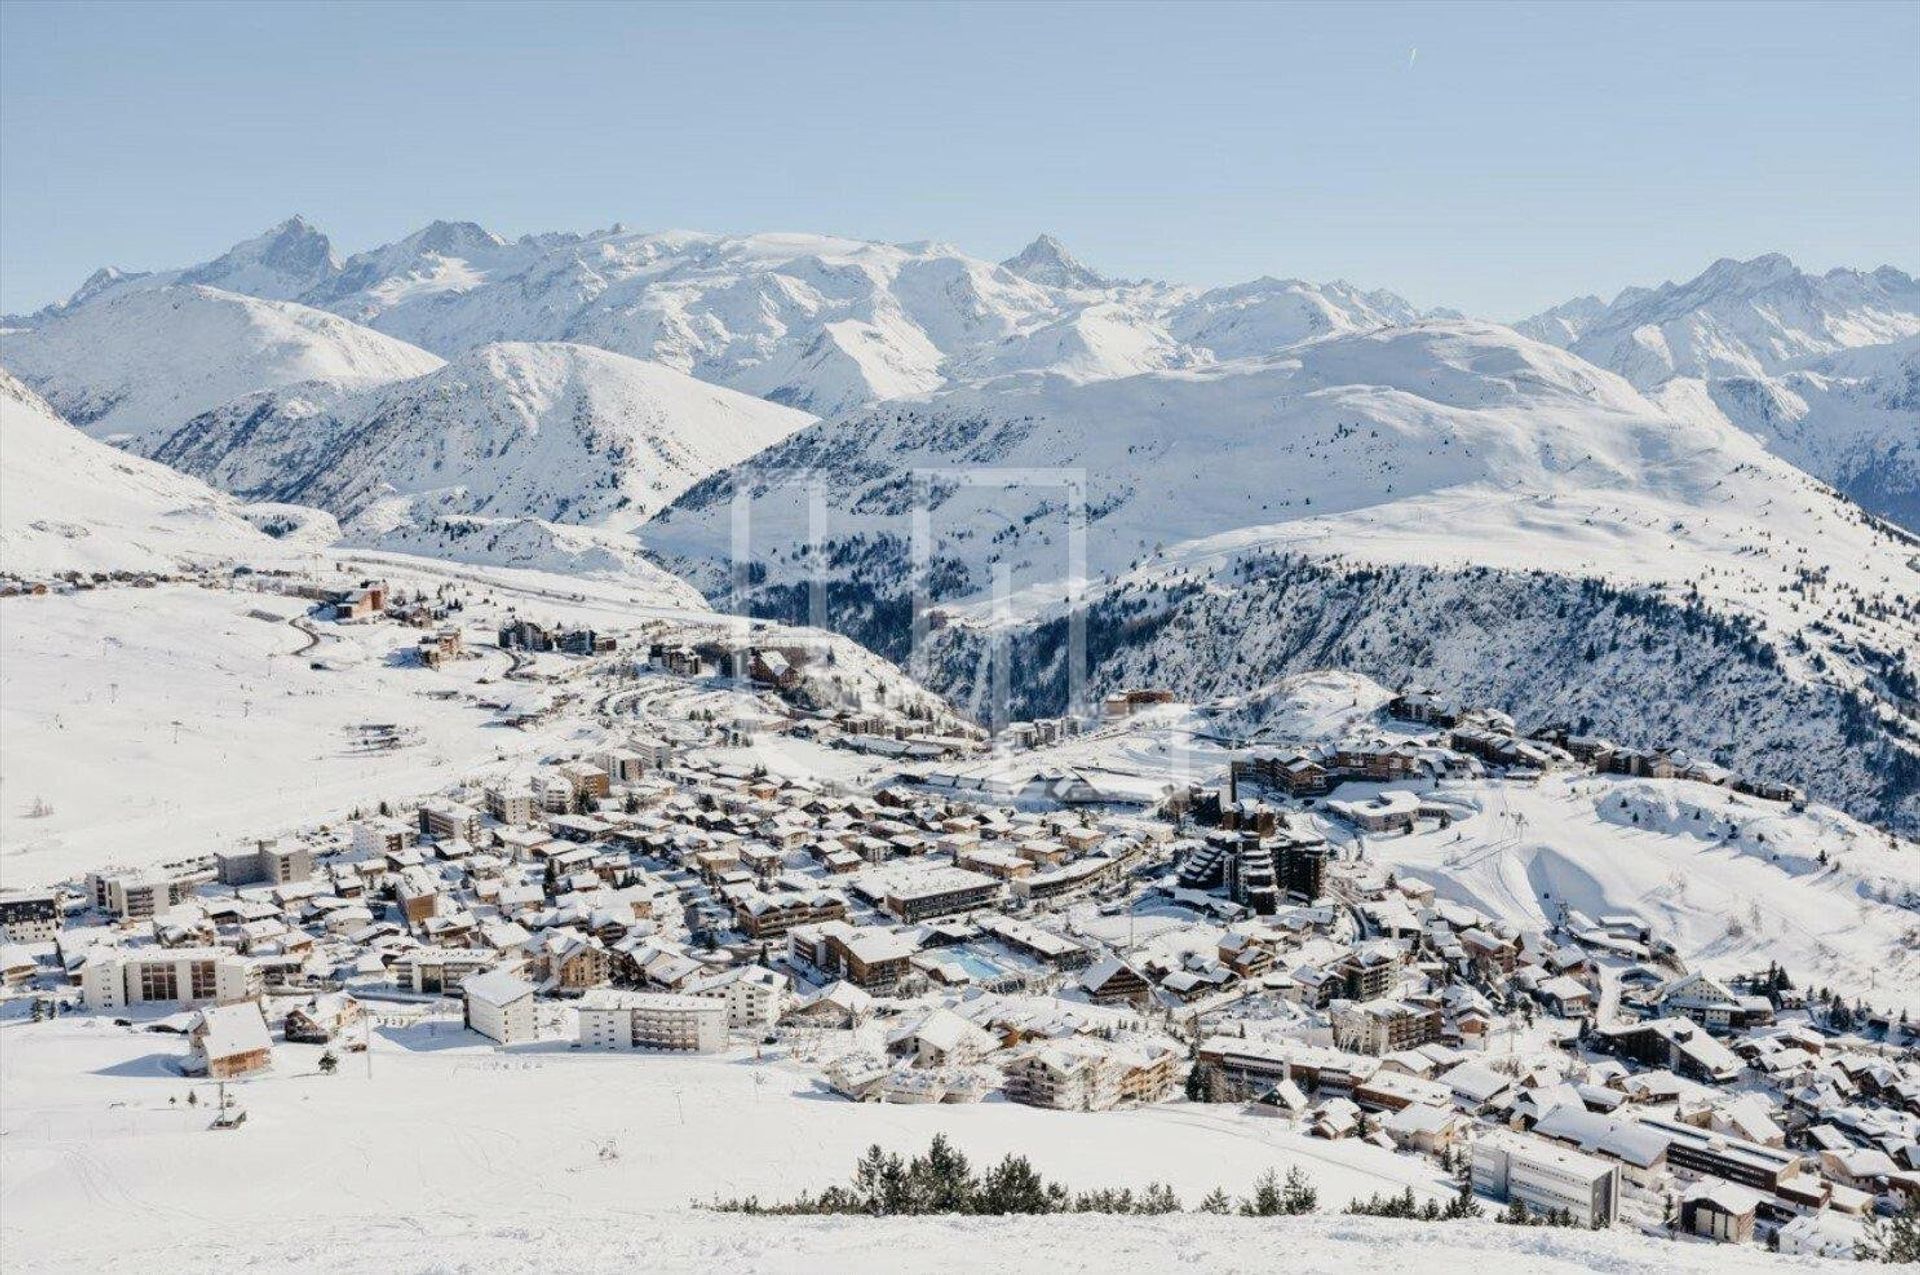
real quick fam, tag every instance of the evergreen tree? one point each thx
(1265, 1200)
(1894, 1239)
(942, 1180)
(1012, 1186)
(1157, 1199)
(1299, 1195)
(1216, 1201)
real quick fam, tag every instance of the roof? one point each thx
(1728, 1197)
(1623, 1140)
(222, 1031)
(498, 988)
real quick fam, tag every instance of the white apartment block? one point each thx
(138, 896)
(1545, 1177)
(753, 994)
(611, 1019)
(114, 978)
(382, 835)
(499, 1006)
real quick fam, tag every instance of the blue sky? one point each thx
(1524, 155)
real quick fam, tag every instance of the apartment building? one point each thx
(665, 1021)
(1546, 1177)
(499, 1005)
(116, 978)
(29, 918)
(382, 836)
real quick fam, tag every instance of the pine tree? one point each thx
(942, 1180)
(1299, 1195)
(1894, 1239)
(1266, 1198)
(1013, 1187)
(1216, 1201)
(1157, 1199)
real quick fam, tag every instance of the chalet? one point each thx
(870, 958)
(1677, 1043)
(1425, 1128)
(1719, 1211)
(1114, 982)
(228, 1041)
(773, 668)
(941, 1038)
(327, 1017)
(1712, 1004)
(17, 965)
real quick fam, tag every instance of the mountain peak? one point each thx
(99, 281)
(451, 238)
(1047, 261)
(278, 264)
(1758, 272)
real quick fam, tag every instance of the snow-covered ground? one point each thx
(454, 1152)
(168, 722)
(1732, 881)
(70, 503)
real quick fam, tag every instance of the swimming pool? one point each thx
(981, 969)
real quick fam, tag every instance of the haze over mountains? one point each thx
(1245, 448)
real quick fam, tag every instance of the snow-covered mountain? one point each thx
(1444, 448)
(1819, 366)
(1852, 417)
(553, 432)
(137, 361)
(527, 544)
(814, 321)
(1736, 318)
(69, 503)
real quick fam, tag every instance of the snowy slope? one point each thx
(1325, 444)
(531, 545)
(69, 503)
(1851, 417)
(1821, 367)
(563, 433)
(524, 1159)
(1443, 447)
(815, 321)
(140, 362)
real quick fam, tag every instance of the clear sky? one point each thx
(1496, 158)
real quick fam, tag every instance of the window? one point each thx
(157, 983)
(204, 986)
